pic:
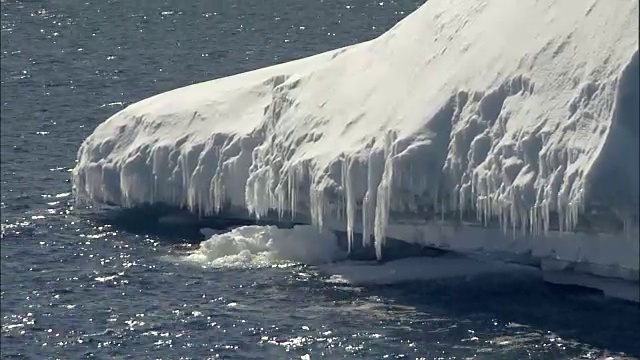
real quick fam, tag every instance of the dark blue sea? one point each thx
(87, 282)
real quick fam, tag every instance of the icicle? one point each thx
(374, 175)
(292, 188)
(524, 219)
(503, 220)
(546, 213)
(317, 201)
(384, 196)
(350, 201)
(533, 221)
(382, 208)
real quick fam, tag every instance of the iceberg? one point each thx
(504, 127)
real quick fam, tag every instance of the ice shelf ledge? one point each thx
(524, 115)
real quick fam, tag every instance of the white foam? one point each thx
(519, 111)
(260, 246)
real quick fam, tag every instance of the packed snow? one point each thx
(521, 114)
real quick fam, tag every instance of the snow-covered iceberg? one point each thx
(518, 114)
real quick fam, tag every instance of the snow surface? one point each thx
(521, 113)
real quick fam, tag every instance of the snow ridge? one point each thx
(520, 113)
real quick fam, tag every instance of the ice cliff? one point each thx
(522, 114)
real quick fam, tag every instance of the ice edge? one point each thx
(538, 149)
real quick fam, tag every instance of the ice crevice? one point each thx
(516, 117)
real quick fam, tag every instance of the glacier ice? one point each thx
(520, 114)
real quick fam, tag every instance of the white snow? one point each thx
(521, 112)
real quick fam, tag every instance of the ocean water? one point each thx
(88, 282)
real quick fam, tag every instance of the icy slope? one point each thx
(517, 112)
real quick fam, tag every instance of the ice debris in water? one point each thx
(267, 245)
